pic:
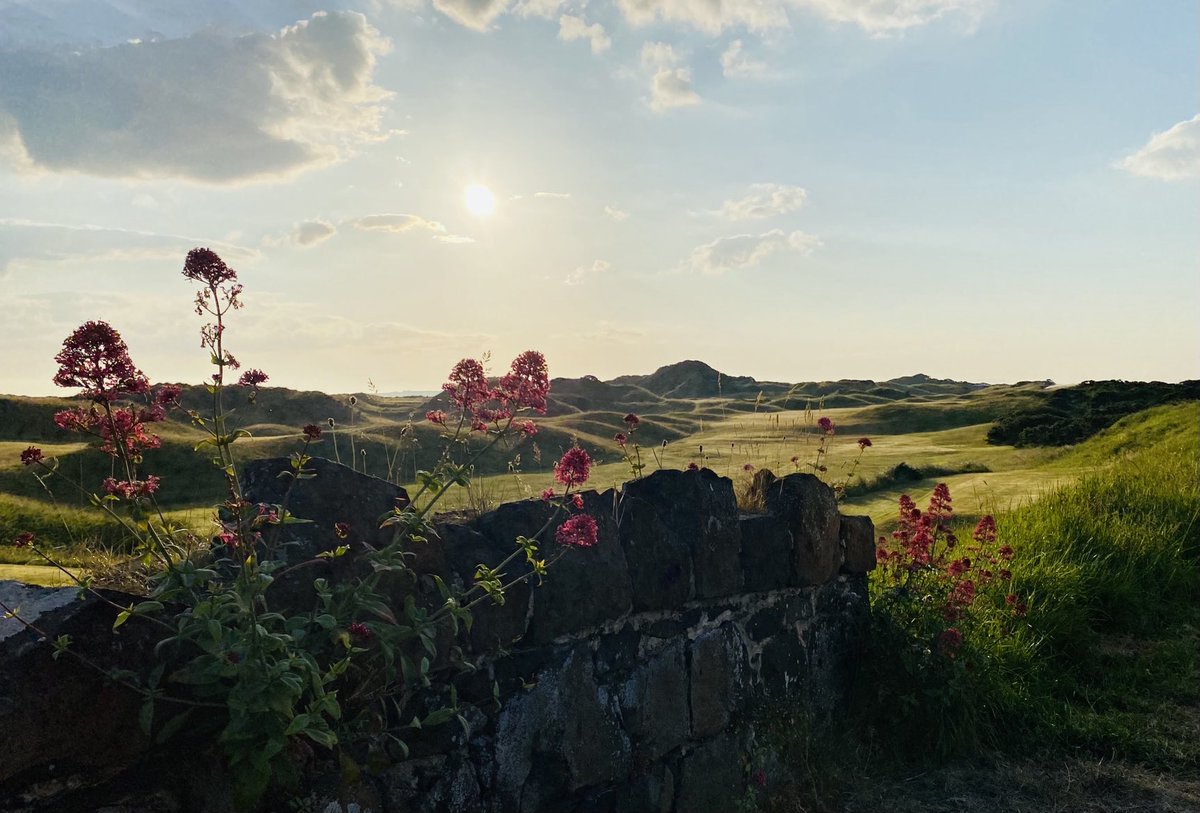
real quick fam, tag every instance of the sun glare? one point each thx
(480, 200)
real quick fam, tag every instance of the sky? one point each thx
(797, 190)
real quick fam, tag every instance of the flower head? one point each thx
(252, 378)
(23, 540)
(548, 495)
(528, 428)
(437, 416)
(527, 382)
(864, 443)
(825, 425)
(985, 532)
(577, 501)
(96, 359)
(577, 532)
(32, 455)
(312, 432)
(168, 395)
(621, 438)
(341, 530)
(748, 468)
(692, 466)
(359, 630)
(574, 468)
(468, 386)
(632, 420)
(203, 265)
(950, 642)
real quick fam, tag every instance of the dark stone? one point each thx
(660, 564)
(766, 553)
(833, 647)
(654, 703)
(858, 542)
(797, 607)
(810, 510)
(699, 508)
(496, 626)
(593, 742)
(664, 628)
(519, 670)
(436, 784)
(784, 664)
(336, 494)
(584, 587)
(617, 655)
(717, 668)
(711, 777)
(650, 792)
(765, 623)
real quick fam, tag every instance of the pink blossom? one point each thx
(950, 642)
(312, 432)
(577, 532)
(574, 468)
(96, 359)
(527, 383)
(32, 455)
(252, 378)
(203, 265)
(468, 386)
(436, 416)
(23, 540)
(548, 495)
(632, 420)
(825, 425)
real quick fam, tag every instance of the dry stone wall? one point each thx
(626, 683)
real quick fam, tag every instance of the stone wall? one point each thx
(626, 683)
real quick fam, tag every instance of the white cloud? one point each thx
(671, 85)
(615, 213)
(476, 14)
(396, 223)
(748, 250)
(545, 9)
(572, 28)
(310, 233)
(207, 107)
(765, 200)
(556, 195)
(28, 243)
(453, 239)
(1173, 155)
(736, 65)
(581, 273)
(876, 17)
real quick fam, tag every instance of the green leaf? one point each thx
(122, 617)
(146, 716)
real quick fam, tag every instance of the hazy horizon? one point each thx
(793, 190)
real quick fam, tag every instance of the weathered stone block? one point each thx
(765, 623)
(711, 777)
(784, 664)
(653, 791)
(593, 742)
(858, 543)
(660, 564)
(586, 586)
(810, 510)
(496, 626)
(700, 509)
(766, 553)
(654, 703)
(717, 666)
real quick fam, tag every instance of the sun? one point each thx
(480, 200)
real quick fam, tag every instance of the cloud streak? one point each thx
(1172, 155)
(741, 251)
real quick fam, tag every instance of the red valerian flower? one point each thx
(985, 532)
(204, 265)
(23, 540)
(168, 395)
(129, 489)
(759, 777)
(96, 359)
(632, 420)
(1005, 575)
(548, 495)
(312, 432)
(341, 530)
(825, 425)
(621, 438)
(950, 642)
(359, 630)
(692, 466)
(528, 428)
(527, 383)
(436, 416)
(468, 386)
(577, 532)
(748, 468)
(864, 443)
(1006, 552)
(577, 501)
(252, 378)
(32, 455)
(574, 468)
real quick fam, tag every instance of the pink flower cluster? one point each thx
(525, 386)
(96, 359)
(573, 468)
(131, 489)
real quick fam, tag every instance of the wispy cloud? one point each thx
(735, 64)
(1172, 155)
(765, 200)
(396, 223)
(476, 14)
(558, 195)
(615, 213)
(670, 85)
(572, 28)
(580, 274)
(748, 250)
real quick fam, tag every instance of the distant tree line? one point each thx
(1072, 414)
